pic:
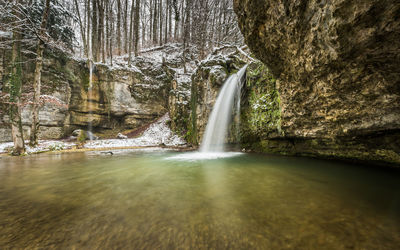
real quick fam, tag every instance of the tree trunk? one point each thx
(82, 28)
(151, 20)
(37, 76)
(137, 27)
(101, 31)
(119, 26)
(143, 21)
(169, 19)
(131, 32)
(177, 19)
(182, 30)
(107, 38)
(166, 22)
(88, 28)
(211, 36)
(126, 27)
(186, 32)
(161, 21)
(15, 90)
(110, 43)
(155, 18)
(95, 49)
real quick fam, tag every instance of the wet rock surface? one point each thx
(338, 74)
(206, 83)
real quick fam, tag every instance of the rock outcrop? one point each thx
(337, 65)
(206, 83)
(260, 107)
(125, 97)
(58, 74)
(121, 96)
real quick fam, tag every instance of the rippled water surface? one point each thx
(181, 201)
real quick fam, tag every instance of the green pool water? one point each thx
(169, 200)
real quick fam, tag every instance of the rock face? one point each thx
(120, 97)
(206, 83)
(260, 106)
(57, 75)
(337, 65)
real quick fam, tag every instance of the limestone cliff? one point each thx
(337, 65)
(122, 97)
(207, 80)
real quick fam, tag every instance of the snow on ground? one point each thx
(5, 145)
(157, 134)
(42, 147)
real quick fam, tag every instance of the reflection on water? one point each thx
(159, 201)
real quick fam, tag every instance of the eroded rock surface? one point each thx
(127, 97)
(337, 65)
(122, 96)
(206, 83)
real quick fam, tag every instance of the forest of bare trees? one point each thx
(101, 29)
(116, 27)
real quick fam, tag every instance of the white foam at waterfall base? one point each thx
(198, 156)
(218, 123)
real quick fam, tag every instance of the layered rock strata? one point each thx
(120, 97)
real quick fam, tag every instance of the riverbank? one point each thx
(157, 135)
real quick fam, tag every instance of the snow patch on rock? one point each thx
(157, 134)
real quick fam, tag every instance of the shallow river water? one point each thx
(167, 200)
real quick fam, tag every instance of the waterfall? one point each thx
(221, 115)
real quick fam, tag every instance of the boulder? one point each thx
(121, 136)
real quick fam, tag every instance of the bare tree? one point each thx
(81, 27)
(186, 35)
(131, 33)
(95, 30)
(155, 22)
(119, 26)
(137, 16)
(126, 41)
(16, 84)
(37, 77)
(160, 20)
(100, 34)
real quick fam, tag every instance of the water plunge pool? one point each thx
(169, 200)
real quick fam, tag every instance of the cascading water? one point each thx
(218, 123)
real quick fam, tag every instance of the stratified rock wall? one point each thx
(338, 68)
(121, 97)
(58, 74)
